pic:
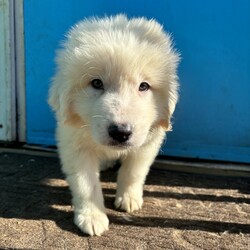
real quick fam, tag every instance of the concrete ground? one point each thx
(181, 211)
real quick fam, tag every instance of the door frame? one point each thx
(20, 71)
(7, 72)
(12, 78)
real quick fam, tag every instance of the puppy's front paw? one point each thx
(129, 202)
(92, 224)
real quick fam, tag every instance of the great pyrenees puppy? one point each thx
(114, 93)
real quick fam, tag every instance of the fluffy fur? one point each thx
(122, 53)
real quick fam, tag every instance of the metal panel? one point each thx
(212, 120)
(19, 71)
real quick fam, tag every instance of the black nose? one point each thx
(120, 132)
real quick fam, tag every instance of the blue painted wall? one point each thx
(212, 120)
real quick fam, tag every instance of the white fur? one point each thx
(122, 53)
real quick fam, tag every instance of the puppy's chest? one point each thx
(107, 164)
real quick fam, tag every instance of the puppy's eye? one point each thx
(97, 84)
(144, 86)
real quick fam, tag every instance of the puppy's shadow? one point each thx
(33, 188)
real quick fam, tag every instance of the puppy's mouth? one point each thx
(119, 145)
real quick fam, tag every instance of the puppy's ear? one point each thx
(166, 124)
(53, 99)
(171, 87)
(61, 99)
(172, 98)
(72, 118)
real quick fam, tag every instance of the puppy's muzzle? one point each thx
(120, 133)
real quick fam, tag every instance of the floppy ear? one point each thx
(53, 99)
(166, 125)
(61, 99)
(172, 98)
(171, 91)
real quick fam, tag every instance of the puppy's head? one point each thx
(116, 80)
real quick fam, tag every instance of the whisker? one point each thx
(96, 76)
(84, 91)
(84, 126)
(104, 120)
(100, 116)
(93, 67)
(97, 116)
(82, 77)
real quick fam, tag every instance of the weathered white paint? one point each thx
(7, 72)
(20, 71)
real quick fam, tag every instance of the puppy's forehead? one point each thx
(129, 64)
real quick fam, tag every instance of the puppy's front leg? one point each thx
(89, 209)
(131, 178)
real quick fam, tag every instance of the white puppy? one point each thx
(114, 93)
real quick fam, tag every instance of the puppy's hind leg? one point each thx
(82, 173)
